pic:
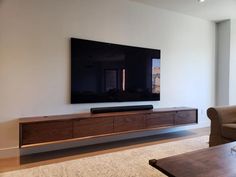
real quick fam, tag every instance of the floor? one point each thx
(17, 162)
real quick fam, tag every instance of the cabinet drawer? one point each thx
(160, 119)
(128, 123)
(92, 127)
(41, 132)
(186, 117)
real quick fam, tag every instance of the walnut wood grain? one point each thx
(185, 117)
(160, 119)
(88, 127)
(127, 123)
(216, 161)
(45, 132)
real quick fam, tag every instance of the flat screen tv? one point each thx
(106, 72)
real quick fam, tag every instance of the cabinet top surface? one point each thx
(90, 115)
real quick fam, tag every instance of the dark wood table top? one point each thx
(216, 161)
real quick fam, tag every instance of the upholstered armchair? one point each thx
(223, 124)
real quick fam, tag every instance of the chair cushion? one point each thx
(229, 131)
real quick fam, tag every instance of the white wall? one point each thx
(223, 59)
(226, 62)
(34, 54)
(232, 85)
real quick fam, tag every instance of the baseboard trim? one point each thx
(9, 152)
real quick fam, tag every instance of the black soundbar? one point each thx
(120, 109)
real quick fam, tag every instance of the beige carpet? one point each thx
(127, 163)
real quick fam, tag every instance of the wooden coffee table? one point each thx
(216, 161)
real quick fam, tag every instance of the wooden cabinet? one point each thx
(52, 129)
(42, 132)
(185, 117)
(88, 127)
(128, 123)
(156, 120)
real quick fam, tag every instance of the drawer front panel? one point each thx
(128, 123)
(156, 120)
(186, 117)
(42, 132)
(92, 127)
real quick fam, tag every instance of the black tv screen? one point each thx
(105, 72)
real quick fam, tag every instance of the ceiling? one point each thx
(215, 10)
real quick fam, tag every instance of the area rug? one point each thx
(126, 163)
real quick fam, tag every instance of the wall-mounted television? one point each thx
(106, 72)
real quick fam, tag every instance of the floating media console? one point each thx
(37, 131)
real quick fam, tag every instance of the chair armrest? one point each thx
(222, 114)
